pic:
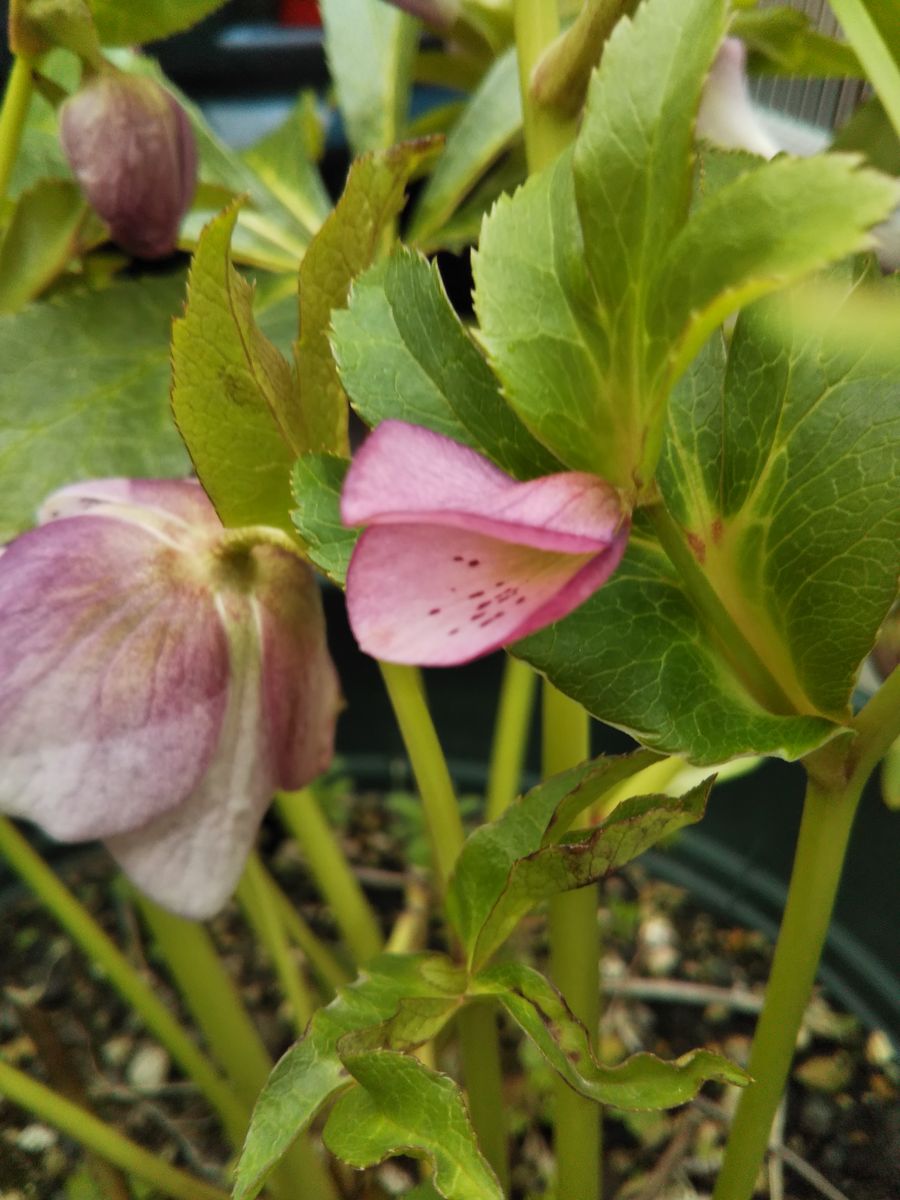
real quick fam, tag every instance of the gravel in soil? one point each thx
(675, 978)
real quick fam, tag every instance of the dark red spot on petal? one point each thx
(484, 604)
(433, 612)
(521, 600)
(451, 632)
(457, 558)
(474, 562)
(475, 595)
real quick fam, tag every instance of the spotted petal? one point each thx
(458, 558)
(114, 671)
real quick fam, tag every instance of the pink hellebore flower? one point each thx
(727, 116)
(457, 558)
(161, 677)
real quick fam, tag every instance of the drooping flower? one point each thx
(727, 116)
(457, 558)
(161, 677)
(132, 149)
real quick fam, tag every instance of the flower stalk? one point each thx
(16, 100)
(837, 774)
(511, 731)
(101, 1139)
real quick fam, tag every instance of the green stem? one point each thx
(216, 1006)
(873, 48)
(548, 131)
(561, 77)
(102, 1140)
(328, 970)
(261, 908)
(837, 775)
(480, 1048)
(574, 965)
(510, 735)
(821, 846)
(303, 818)
(130, 985)
(407, 695)
(737, 650)
(16, 100)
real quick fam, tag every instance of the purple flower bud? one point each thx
(133, 152)
(162, 677)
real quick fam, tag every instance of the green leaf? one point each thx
(94, 401)
(873, 31)
(285, 163)
(825, 207)
(634, 826)
(782, 41)
(401, 1107)
(632, 168)
(370, 48)
(782, 469)
(231, 392)
(400, 1001)
(347, 243)
(869, 132)
(538, 321)
(637, 656)
(43, 234)
(641, 1082)
(547, 811)
(489, 124)
(129, 24)
(403, 353)
(317, 481)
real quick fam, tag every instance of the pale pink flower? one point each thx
(727, 116)
(161, 677)
(457, 558)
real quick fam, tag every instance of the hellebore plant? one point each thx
(657, 466)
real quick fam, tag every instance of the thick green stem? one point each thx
(16, 100)
(548, 131)
(330, 973)
(261, 908)
(574, 965)
(837, 775)
(561, 77)
(477, 1025)
(510, 736)
(755, 675)
(216, 1006)
(102, 1140)
(824, 832)
(304, 819)
(130, 985)
(407, 695)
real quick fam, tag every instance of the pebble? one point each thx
(148, 1068)
(36, 1138)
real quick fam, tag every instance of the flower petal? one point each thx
(115, 668)
(435, 596)
(153, 503)
(407, 475)
(190, 859)
(301, 691)
(726, 115)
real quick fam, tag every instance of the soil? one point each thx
(675, 978)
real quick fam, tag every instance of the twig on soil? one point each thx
(672, 1157)
(790, 1157)
(680, 991)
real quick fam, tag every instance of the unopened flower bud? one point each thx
(133, 152)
